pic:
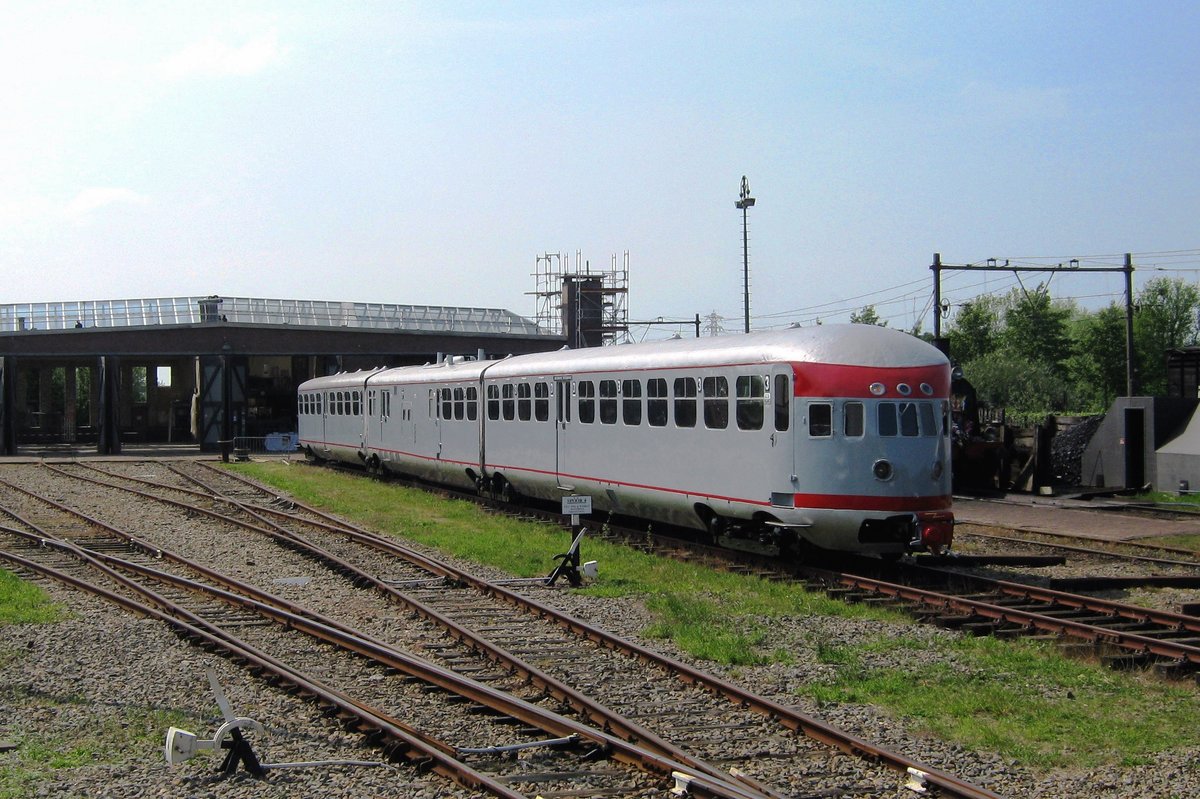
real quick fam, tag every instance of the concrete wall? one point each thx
(1107, 457)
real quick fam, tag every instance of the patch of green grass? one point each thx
(25, 603)
(1018, 698)
(1022, 699)
(1191, 542)
(102, 740)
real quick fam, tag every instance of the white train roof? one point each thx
(858, 345)
(850, 345)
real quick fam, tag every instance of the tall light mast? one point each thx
(745, 202)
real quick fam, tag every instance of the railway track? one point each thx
(220, 618)
(701, 715)
(1121, 635)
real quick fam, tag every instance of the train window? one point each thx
(908, 419)
(751, 395)
(541, 401)
(562, 393)
(783, 402)
(608, 402)
(371, 403)
(524, 404)
(685, 402)
(493, 402)
(447, 403)
(853, 419)
(338, 408)
(716, 403)
(587, 401)
(928, 419)
(508, 404)
(387, 405)
(319, 403)
(656, 402)
(460, 400)
(820, 419)
(631, 402)
(433, 404)
(472, 403)
(887, 419)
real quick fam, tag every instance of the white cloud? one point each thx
(94, 198)
(211, 57)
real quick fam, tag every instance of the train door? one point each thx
(372, 419)
(378, 405)
(435, 421)
(781, 414)
(562, 422)
(326, 396)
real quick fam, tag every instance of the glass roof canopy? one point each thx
(20, 317)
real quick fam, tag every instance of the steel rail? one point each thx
(1082, 602)
(1100, 552)
(1030, 619)
(790, 718)
(415, 749)
(1084, 536)
(338, 635)
(591, 709)
(380, 653)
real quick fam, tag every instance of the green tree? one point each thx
(1035, 328)
(1097, 363)
(867, 317)
(1006, 380)
(976, 329)
(1165, 318)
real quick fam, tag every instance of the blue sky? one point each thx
(427, 152)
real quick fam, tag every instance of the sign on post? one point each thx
(576, 506)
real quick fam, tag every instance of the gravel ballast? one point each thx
(118, 681)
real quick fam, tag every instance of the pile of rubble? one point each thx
(1066, 453)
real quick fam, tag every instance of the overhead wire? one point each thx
(1174, 261)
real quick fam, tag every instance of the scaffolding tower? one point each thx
(589, 307)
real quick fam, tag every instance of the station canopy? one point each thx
(21, 317)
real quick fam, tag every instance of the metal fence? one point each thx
(272, 444)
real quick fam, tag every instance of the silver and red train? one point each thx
(834, 436)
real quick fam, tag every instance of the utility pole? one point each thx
(745, 202)
(1131, 382)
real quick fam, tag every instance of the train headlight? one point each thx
(883, 469)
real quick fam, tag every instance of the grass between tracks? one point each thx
(1021, 699)
(24, 603)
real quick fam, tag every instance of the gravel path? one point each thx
(119, 681)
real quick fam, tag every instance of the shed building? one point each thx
(204, 370)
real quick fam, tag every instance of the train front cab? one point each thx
(873, 474)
